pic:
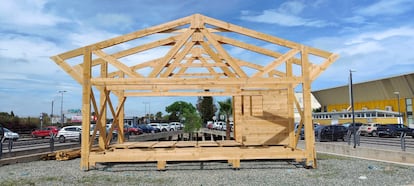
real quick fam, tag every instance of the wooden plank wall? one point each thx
(262, 119)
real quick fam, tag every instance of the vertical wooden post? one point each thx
(86, 108)
(236, 164)
(103, 94)
(121, 135)
(290, 102)
(161, 165)
(307, 110)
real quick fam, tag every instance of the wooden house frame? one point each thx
(199, 60)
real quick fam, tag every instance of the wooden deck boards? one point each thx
(175, 144)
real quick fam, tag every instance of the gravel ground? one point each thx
(332, 170)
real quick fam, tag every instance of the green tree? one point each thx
(158, 116)
(226, 108)
(176, 110)
(206, 108)
(192, 121)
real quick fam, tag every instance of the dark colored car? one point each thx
(302, 131)
(330, 132)
(393, 130)
(146, 128)
(47, 131)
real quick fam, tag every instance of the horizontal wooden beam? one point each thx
(196, 154)
(165, 88)
(192, 81)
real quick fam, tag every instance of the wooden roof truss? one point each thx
(191, 56)
(196, 60)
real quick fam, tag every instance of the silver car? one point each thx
(69, 133)
(8, 134)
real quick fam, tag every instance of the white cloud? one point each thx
(26, 54)
(286, 15)
(372, 54)
(355, 19)
(88, 36)
(27, 13)
(360, 48)
(381, 35)
(387, 7)
(291, 7)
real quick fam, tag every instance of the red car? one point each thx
(131, 130)
(45, 132)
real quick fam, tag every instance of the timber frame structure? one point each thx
(197, 57)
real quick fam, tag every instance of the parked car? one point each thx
(330, 132)
(224, 126)
(174, 126)
(8, 134)
(302, 131)
(393, 130)
(69, 133)
(146, 128)
(218, 125)
(156, 126)
(132, 130)
(369, 129)
(47, 131)
(209, 124)
(164, 127)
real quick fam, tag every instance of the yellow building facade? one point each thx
(391, 99)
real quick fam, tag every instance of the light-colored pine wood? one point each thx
(198, 59)
(86, 108)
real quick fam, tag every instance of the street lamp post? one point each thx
(398, 102)
(61, 108)
(351, 95)
(51, 114)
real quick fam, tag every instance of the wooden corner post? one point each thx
(307, 110)
(86, 108)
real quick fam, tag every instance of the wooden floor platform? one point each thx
(165, 151)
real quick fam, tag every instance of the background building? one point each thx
(378, 101)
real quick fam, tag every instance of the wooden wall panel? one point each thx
(264, 119)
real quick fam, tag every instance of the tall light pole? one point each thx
(351, 95)
(61, 108)
(51, 114)
(147, 112)
(398, 101)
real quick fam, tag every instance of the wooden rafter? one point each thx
(254, 48)
(128, 37)
(277, 62)
(177, 60)
(217, 59)
(171, 53)
(224, 54)
(113, 61)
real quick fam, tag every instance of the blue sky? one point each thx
(375, 38)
